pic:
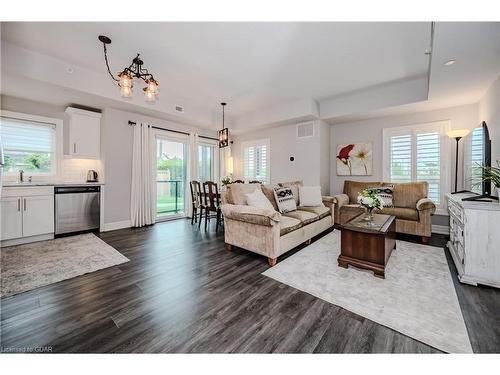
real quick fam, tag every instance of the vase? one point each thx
(369, 214)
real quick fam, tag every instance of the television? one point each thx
(477, 151)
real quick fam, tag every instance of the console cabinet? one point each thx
(475, 239)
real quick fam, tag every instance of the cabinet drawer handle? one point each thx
(19, 204)
(24, 204)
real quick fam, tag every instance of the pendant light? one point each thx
(223, 134)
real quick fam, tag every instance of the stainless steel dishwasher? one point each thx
(77, 208)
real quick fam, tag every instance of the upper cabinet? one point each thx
(82, 138)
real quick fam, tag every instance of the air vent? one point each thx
(179, 108)
(305, 130)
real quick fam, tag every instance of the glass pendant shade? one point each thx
(223, 136)
(125, 79)
(149, 96)
(126, 91)
(152, 86)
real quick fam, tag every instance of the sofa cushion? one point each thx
(258, 199)
(353, 188)
(294, 185)
(304, 216)
(408, 194)
(288, 224)
(310, 196)
(284, 199)
(400, 213)
(320, 211)
(268, 191)
(236, 192)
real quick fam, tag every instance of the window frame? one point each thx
(58, 151)
(210, 143)
(259, 142)
(442, 127)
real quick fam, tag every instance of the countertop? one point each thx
(29, 184)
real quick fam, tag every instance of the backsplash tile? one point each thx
(75, 170)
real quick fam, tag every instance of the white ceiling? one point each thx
(255, 67)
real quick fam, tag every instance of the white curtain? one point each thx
(192, 169)
(141, 200)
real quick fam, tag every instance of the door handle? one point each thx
(74, 148)
(24, 204)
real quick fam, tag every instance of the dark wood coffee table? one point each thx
(368, 247)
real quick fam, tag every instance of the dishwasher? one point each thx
(77, 209)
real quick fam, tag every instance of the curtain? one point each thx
(192, 169)
(141, 206)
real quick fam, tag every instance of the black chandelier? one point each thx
(126, 76)
(223, 134)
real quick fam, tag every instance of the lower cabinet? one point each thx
(27, 215)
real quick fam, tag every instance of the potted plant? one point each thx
(226, 180)
(370, 200)
(491, 174)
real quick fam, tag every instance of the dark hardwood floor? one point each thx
(183, 292)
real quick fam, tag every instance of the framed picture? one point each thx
(354, 159)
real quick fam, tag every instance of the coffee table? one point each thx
(368, 247)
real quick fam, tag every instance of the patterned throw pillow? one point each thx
(284, 199)
(385, 193)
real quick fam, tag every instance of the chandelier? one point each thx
(126, 76)
(223, 134)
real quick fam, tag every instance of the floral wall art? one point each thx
(354, 159)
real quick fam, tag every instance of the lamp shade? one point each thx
(458, 133)
(229, 165)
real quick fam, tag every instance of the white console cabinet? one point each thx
(475, 239)
(27, 214)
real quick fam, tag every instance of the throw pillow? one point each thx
(284, 199)
(385, 193)
(258, 199)
(294, 185)
(310, 196)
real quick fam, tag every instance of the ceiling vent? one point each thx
(305, 130)
(179, 108)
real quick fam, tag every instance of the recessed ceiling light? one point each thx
(69, 69)
(449, 63)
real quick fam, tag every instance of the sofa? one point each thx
(268, 232)
(412, 208)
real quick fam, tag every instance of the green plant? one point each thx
(369, 199)
(489, 173)
(226, 180)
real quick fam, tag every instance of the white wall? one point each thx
(284, 143)
(489, 111)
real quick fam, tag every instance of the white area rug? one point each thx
(29, 266)
(416, 298)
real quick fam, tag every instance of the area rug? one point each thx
(29, 266)
(416, 298)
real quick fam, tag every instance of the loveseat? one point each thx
(412, 207)
(268, 232)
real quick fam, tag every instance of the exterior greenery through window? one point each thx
(29, 146)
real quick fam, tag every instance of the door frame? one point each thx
(173, 137)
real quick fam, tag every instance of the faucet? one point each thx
(21, 176)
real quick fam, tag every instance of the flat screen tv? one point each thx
(477, 151)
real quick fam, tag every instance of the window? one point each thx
(206, 162)
(474, 157)
(29, 145)
(418, 153)
(256, 160)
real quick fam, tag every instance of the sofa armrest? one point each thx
(252, 215)
(341, 200)
(328, 201)
(426, 204)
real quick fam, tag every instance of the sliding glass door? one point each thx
(207, 163)
(170, 173)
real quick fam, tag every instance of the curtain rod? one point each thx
(132, 123)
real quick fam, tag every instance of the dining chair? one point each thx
(238, 182)
(255, 182)
(195, 199)
(211, 203)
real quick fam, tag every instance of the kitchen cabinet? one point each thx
(12, 218)
(83, 134)
(27, 214)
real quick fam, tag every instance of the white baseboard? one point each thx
(116, 225)
(441, 229)
(23, 240)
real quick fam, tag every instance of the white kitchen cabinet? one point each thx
(38, 215)
(12, 218)
(82, 140)
(27, 214)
